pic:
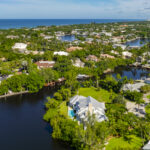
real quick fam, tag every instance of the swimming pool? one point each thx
(71, 113)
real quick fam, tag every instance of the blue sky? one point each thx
(75, 9)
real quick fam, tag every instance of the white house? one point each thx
(82, 76)
(107, 33)
(114, 52)
(78, 63)
(21, 46)
(89, 40)
(83, 106)
(120, 45)
(127, 54)
(61, 53)
(133, 87)
(48, 37)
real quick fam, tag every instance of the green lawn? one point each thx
(134, 143)
(147, 109)
(148, 96)
(102, 95)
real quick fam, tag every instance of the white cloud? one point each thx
(70, 9)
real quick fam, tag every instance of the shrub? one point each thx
(145, 89)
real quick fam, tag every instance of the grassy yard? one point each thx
(134, 143)
(148, 96)
(101, 96)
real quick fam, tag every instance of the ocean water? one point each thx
(30, 23)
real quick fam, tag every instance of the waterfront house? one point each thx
(45, 64)
(61, 53)
(120, 45)
(140, 59)
(83, 106)
(147, 146)
(133, 87)
(116, 39)
(59, 33)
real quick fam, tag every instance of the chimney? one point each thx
(90, 108)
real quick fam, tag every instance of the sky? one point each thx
(74, 9)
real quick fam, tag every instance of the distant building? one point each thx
(127, 54)
(107, 56)
(12, 36)
(78, 63)
(107, 33)
(140, 59)
(117, 39)
(20, 46)
(82, 76)
(3, 59)
(59, 33)
(45, 64)
(92, 58)
(48, 37)
(132, 87)
(83, 106)
(120, 45)
(61, 53)
(74, 49)
(114, 52)
(89, 40)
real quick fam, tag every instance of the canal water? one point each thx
(22, 126)
(131, 72)
(138, 42)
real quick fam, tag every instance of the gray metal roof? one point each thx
(147, 146)
(83, 102)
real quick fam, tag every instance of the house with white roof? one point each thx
(78, 63)
(61, 53)
(120, 45)
(20, 46)
(89, 40)
(127, 54)
(83, 106)
(48, 37)
(133, 87)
